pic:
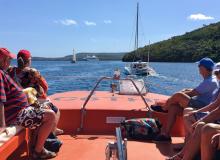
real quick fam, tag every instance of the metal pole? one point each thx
(83, 110)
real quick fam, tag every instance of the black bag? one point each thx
(52, 143)
(140, 128)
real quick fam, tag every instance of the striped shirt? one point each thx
(12, 97)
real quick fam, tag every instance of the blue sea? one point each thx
(65, 76)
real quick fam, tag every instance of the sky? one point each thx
(53, 28)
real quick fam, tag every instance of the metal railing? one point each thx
(83, 109)
(122, 145)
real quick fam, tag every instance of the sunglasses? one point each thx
(217, 72)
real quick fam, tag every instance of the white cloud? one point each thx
(107, 21)
(200, 16)
(66, 22)
(90, 23)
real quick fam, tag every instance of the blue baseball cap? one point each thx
(207, 63)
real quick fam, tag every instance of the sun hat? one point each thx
(7, 53)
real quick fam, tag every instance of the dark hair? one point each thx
(217, 72)
(21, 62)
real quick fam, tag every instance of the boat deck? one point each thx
(86, 147)
(102, 105)
(93, 147)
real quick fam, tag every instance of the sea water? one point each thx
(65, 76)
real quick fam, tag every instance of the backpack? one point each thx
(140, 128)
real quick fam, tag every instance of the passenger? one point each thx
(30, 77)
(210, 141)
(199, 119)
(26, 76)
(193, 98)
(201, 137)
(191, 116)
(14, 105)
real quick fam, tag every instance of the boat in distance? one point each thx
(90, 58)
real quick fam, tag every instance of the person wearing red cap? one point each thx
(25, 54)
(26, 77)
(14, 109)
(5, 58)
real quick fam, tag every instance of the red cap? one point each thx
(25, 54)
(7, 53)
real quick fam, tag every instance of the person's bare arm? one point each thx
(2, 118)
(209, 107)
(210, 118)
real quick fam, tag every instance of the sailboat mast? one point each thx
(136, 34)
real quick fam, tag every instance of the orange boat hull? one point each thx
(103, 109)
(103, 113)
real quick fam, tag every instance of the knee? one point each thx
(198, 129)
(49, 115)
(200, 125)
(178, 95)
(208, 129)
(186, 111)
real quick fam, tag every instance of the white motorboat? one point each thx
(91, 58)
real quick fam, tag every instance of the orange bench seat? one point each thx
(13, 140)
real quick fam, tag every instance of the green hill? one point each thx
(190, 47)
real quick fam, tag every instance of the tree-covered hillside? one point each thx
(190, 47)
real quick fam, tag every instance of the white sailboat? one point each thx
(74, 57)
(139, 67)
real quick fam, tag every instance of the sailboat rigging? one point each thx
(139, 67)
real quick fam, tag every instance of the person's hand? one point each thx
(186, 90)
(46, 106)
(40, 90)
(215, 141)
(190, 113)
